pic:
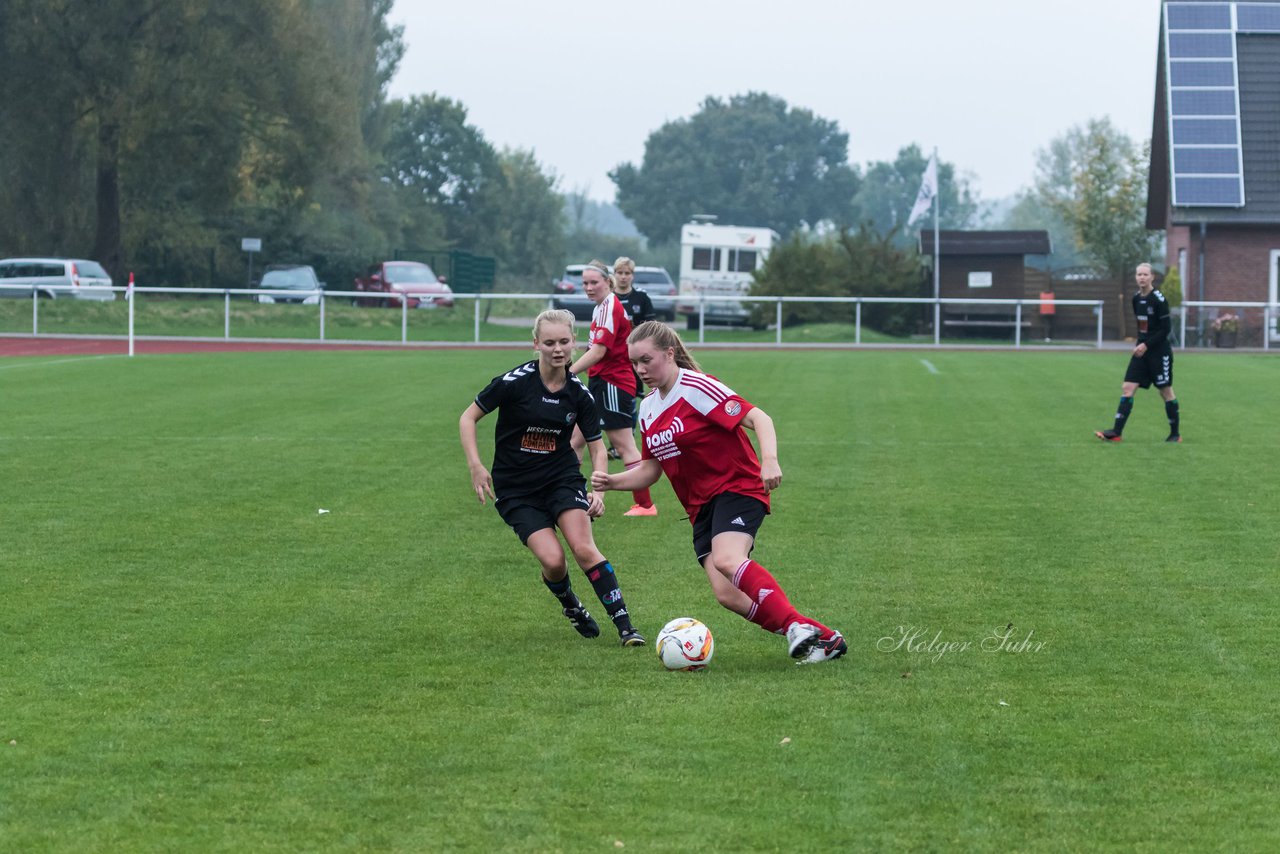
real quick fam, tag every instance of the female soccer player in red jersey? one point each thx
(610, 378)
(537, 484)
(692, 427)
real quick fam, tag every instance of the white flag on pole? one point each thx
(928, 189)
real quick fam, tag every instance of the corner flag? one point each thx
(928, 189)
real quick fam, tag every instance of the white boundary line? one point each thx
(929, 365)
(59, 361)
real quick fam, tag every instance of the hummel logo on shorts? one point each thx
(738, 521)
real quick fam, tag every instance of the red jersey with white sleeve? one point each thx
(696, 434)
(610, 326)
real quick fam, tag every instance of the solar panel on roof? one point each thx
(1204, 102)
(1204, 73)
(1202, 45)
(1208, 192)
(1206, 161)
(1203, 107)
(1199, 16)
(1257, 18)
(1206, 131)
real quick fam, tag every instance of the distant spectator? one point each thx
(1047, 309)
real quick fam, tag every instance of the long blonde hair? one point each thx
(664, 337)
(554, 315)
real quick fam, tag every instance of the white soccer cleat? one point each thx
(801, 638)
(826, 650)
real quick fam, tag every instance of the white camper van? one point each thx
(719, 260)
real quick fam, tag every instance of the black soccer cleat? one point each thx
(631, 636)
(1174, 437)
(1107, 435)
(582, 620)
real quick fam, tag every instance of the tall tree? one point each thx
(434, 154)
(751, 160)
(1095, 178)
(182, 117)
(531, 240)
(889, 191)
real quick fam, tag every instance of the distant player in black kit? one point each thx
(537, 484)
(637, 303)
(1152, 361)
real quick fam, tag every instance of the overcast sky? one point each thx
(583, 84)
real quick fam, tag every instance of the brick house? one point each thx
(1214, 184)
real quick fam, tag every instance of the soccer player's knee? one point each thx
(726, 564)
(586, 556)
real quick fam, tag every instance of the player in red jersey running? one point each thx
(610, 377)
(692, 427)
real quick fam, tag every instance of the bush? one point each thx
(1171, 287)
(848, 263)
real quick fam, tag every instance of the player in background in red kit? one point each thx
(610, 378)
(692, 429)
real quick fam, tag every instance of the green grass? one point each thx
(196, 659)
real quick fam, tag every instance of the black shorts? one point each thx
(617, 406)
(728, 511)
(528, 514)
(1154, 367)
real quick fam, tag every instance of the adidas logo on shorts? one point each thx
(738, 521)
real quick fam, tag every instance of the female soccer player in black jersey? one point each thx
(537, 484)
(1152, 360)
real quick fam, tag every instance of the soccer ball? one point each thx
(685, 644)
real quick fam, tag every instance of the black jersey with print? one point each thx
(638, 305)
(531, 442)
(1154, 323)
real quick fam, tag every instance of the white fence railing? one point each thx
(1019, 311)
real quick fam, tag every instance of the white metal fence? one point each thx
(1019, 311)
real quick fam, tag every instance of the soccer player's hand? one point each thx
(482, 483)
(771, 475)
(595, 505)
(601, 480)
(1140, 350)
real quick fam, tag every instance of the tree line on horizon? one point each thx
(155, 134)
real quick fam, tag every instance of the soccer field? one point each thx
(1054, 643)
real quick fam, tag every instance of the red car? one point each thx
(404, 280)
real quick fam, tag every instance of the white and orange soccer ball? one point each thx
(685, 644)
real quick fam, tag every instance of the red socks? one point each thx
(770, 609)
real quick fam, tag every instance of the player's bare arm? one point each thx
(759, 422)
(641, 476)
(599, 463)
(593, 355)
(481, 480)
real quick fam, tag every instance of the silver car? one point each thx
(656, 282)
(55, 278)
(291, 283)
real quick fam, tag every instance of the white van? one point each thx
(54, 278)
(720, 260)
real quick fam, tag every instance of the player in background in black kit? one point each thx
(637, 303)
(1152, 361)
(537, 484)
